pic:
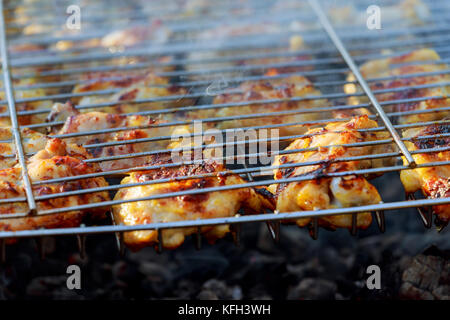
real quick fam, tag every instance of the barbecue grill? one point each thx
(335, 51)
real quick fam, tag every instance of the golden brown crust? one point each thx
(392, 67)
(287, 88)
(93, 81)
(433, 181)
(224, 203)
(93, 121)
(57, 160)
(140, 87)
(322, 192)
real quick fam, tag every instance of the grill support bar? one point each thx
(13, 114)
(229, 220)
(362, 82)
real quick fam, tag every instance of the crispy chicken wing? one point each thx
(93, 121)
(224, 203)
(57, 160)
(32, 142)
(433, 181)
(287, 88)
(387, 67)
(326, 193)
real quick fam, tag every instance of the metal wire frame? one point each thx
(173, 22)
(199, 23)
(218, 221)
(220, 119)
(258, 41)
(176, 62)
(435, 41)
(215, 9)
(202, 94)
(105, 92)
(184, 73)
(274, 217)
(50, 39)
(38, 111)
(362, 82)
(13, 115)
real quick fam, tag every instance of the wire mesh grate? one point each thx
(330, 53)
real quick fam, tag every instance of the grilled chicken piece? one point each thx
(143, 87)
(294, 86)
(94, 81)
(57, 160)
(151, 36)
(93, 121)
(32, 142)
(433, 181)
(155, 32)
(25, 106)
(325, 193)
(224, 203)
(152, 33)
(387, 67)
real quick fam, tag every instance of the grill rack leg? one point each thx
(40, 244)
(274, 230)
(314, 229)
(236, 232)
(198, 238)
(381, 221)
(440, 225)
(81, 243)
(354, 229)
(159, 247)
(119, 238)
(426, 214)
(2, 250)
(120, 244)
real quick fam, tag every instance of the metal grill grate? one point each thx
(327, 63)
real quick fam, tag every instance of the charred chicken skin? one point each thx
(434, 181)
(224, 203)
(391, 67)
(57, 160)
(323, 192)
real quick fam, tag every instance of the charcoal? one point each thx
(332, 267)
(427, 278)
(313, 289)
